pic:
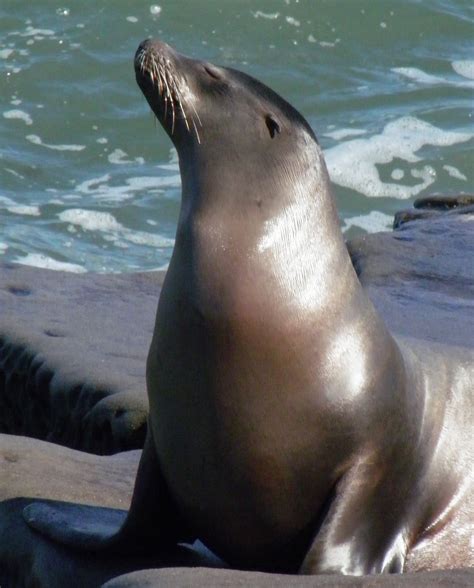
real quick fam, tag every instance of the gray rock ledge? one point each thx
(72, 356)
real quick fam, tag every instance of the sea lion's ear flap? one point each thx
(273, 125)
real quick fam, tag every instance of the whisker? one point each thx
(154, 74)
(195, 128)
(141, 60)
(170, 88)
(185, 117)
(172, 98)
(196, 113)
(179, 100)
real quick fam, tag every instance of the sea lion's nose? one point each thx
(153, 46)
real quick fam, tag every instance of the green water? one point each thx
(88, 181)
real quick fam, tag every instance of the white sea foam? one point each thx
(38, 141)
(353, 164)
(15, 208)
(374, 222)
(3, 247)
(464, 68)
(43, 261)
(101, 190)
(174, 157)
(23, 209)
(4, 202)
(397, 174)
(149, 239)
(454, 172)
(329, 43)
(89, 186)
(169, 167)
(104, 222)
(32, 32)
(343, 133)
(292, 21)
(417, 75)
(91, 220)
(13, 172)
(155, 10)
(18, 114)
(5, 53)
(150, 183)
(119, 157)
(268, 15)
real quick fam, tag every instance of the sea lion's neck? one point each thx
(282, 233)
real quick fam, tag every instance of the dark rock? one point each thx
(72, 356)
(442, 202)
(428, 209)
(421, 277)
(406, 216)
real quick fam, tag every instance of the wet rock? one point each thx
(72, 356)
(208, 578)
(433, 206)
(441, 202)
(420, 277)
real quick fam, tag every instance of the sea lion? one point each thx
(288, 429)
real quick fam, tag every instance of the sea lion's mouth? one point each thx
(166, 91)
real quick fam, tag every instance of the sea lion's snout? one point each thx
(161, 74)
(152, 48)
(155, 67)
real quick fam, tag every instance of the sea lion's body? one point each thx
(288, 429)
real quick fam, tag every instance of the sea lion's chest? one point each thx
(235, 417)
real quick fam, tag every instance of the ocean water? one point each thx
(89, 181)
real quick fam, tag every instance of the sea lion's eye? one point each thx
(273, 125)
(212, 71)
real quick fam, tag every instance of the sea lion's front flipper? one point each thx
(361, 532)
(152, 522)
(76, 525)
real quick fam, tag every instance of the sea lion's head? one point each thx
(222, 115)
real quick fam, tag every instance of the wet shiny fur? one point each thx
(288, 429)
